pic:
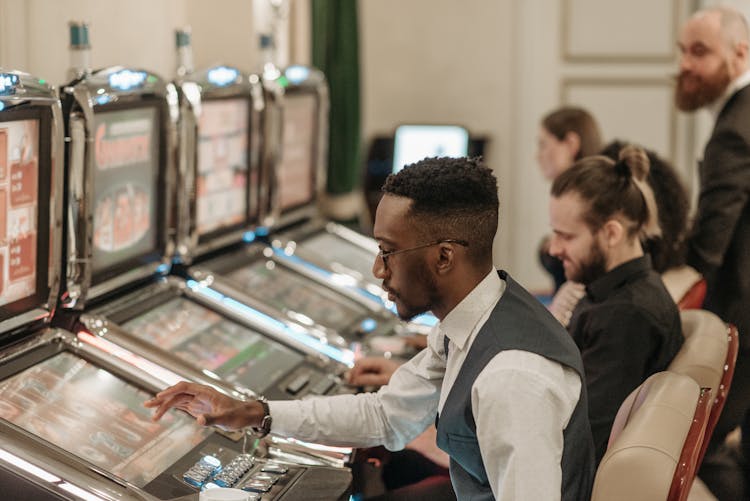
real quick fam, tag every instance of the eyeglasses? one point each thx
(384, 255)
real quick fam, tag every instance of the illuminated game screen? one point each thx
(412, 143)
(340, 253)
(206, 340)
(19, 206)
(221, 183)
(98, 417)
(126, 157)
(288, 291)
(296, 171)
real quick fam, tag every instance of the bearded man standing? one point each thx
(715, 75)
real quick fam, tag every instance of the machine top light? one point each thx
(297, 74)
(8, 84)
(221, 76)
(127, 79)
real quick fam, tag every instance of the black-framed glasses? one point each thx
(384, 255)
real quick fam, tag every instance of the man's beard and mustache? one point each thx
(594, 267)
(705, 90)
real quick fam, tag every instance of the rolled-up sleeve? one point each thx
(392, 417)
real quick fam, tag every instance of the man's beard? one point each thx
(594, 267)
(411, 310)
(707, 90)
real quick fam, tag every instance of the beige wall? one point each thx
(138, 33)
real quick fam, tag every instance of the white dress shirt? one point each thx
(521, 403)
(737, 84)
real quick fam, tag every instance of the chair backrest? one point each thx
(708, 356)
(655, 441)
(686, 286)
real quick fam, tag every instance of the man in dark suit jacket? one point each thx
(715, 74)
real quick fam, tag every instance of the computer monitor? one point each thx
(221, 184)
(126, 199)
(413, 143)
(25, 172)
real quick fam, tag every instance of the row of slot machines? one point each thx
(155, 231)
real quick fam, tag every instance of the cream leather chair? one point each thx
(686, 286)
(708, 356)
(655, 441)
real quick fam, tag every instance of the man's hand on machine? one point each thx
(372, 371)
(208, 406)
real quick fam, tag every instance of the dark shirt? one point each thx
(627, 328)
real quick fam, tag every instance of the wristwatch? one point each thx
(265, 423)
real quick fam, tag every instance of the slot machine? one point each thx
(121, 127)
(252, 272)
(122, 124)
(309, 243)
(71, 416)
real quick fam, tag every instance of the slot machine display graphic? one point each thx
(303, 301)
(19, 166)
(127, 164)
(221, 184)
(98, 417)
(208, 341)
(295, 169)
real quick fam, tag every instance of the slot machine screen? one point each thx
(288, 291)
(222, 177)
(95, 415)
(24, 209)
(412, 143)
(296, 170)
(341, 253)
(126, 199)
(206, 340)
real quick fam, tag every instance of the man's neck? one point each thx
(457, 287)
(624, 254)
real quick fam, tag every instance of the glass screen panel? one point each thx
(288, 291)
(221, 183)
(296, 171)
(126, 157)
(206, 340)
(19, 206)
(97, 416)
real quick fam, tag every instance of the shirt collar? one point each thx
(601, 288)
(462, 320)
(737, 84)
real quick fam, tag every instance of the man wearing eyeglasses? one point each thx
(500, 376)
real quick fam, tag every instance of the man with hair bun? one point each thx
(500, 376)
(627, 326)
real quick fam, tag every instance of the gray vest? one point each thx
(518, 322)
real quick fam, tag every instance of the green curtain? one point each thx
(335, 46)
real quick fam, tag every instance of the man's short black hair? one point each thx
(452, 198)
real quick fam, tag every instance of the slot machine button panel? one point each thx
(296, 384)
(323, 386)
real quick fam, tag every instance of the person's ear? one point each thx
(446, 259)
(573, 142)
(613, 233)
(740, 56)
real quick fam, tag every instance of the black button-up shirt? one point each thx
(627, 328)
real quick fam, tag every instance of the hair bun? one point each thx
(635, 160)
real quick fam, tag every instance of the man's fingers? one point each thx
(180, 401)
(368, 379)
